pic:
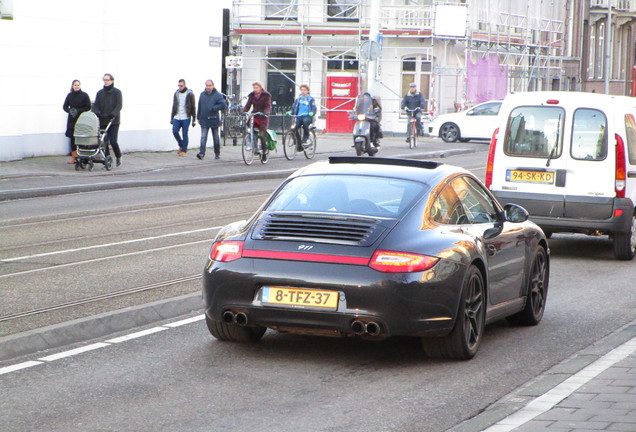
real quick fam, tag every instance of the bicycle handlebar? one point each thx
(252, 114)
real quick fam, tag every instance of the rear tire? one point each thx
(310, 151)
(108, 163)
(449, 132)
(289, 145)
(538, 281)
(625, 243)
(463, 342)
(234, 333)
(248, 149)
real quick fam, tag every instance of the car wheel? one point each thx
(449, 132)
(538, 281)
(625, 243)
(463, 341)
(234, 333)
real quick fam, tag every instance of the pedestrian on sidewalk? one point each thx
(108, 104)
(211, 102)
(305, 108)
(183, 109)
(414, 100)
(260, 101)
(76, 102)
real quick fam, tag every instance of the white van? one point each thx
(569, 158)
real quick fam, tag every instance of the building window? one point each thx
(592, 59)
(342, 10)
(281, 9)
(600, 37)
(342, 62)
(417, 69)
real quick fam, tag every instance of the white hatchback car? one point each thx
(477, 123)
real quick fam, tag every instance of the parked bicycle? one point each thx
(412, 137)
(292, 141)
(251, 145)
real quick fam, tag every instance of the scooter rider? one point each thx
(414, 100)
(371, 107)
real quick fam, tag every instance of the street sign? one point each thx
(233, 62)
(216, 41)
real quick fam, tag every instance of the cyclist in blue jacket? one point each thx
(305, 108)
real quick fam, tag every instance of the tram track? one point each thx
(100, 297)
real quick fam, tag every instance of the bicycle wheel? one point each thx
(248, 149)
(289, 145)
(310, 149)
(413, 137)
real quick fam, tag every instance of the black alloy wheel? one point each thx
(464, 340)
(537, 292)
(449, 132)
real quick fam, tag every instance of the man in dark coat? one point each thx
(183, 109)
(211, 102)
(108, 104)
(415, 102)
(260, 101)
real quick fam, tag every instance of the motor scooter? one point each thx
(364, 114)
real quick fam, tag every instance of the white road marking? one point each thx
(26, 257)
(549, 400)
(136, 335)
(75, 351)
(19, 366)
(186, 321)
(94, 260)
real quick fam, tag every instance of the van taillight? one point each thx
(621, 167)
(491, 158)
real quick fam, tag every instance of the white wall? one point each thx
(147, 45)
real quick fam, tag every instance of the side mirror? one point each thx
(515, 213)
(493, 232)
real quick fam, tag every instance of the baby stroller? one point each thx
(89, 139)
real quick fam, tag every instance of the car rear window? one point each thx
(589, 135)
(360, 195)
(535, 131)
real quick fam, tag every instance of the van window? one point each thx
(589, 135)
(630, 127)
(535, 131)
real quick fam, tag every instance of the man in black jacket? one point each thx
(108, 103)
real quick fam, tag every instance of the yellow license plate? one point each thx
(305, 298)
(543, 177)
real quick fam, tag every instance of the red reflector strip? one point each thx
(299, 256)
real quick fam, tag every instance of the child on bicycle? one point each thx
(305, 108)
(260, 101)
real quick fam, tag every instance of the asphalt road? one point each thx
(180, 378)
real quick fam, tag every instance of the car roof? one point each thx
(427, 172)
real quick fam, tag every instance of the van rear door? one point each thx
(532, 170)
(590, 166)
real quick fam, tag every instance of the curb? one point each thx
(96, 326)
(225, 178)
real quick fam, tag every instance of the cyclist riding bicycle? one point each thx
(304, 108)
(260, 101)
(414, 100)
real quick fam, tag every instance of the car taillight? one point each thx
(491, 158)
(401, 262)
(621, 168)
(226, 251)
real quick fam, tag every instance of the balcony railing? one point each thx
(400, 17)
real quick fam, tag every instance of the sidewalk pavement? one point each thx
(51, 175)
(593, 390)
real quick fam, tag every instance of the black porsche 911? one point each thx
(376, 247)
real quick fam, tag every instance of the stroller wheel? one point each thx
(90, 165)
(83, 165)
(108, 163)
(78, 165)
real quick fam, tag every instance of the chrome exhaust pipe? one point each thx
(241, 318)
(228, 317)
(373, 328)
(357, 327)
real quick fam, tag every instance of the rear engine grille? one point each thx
(329, 229)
